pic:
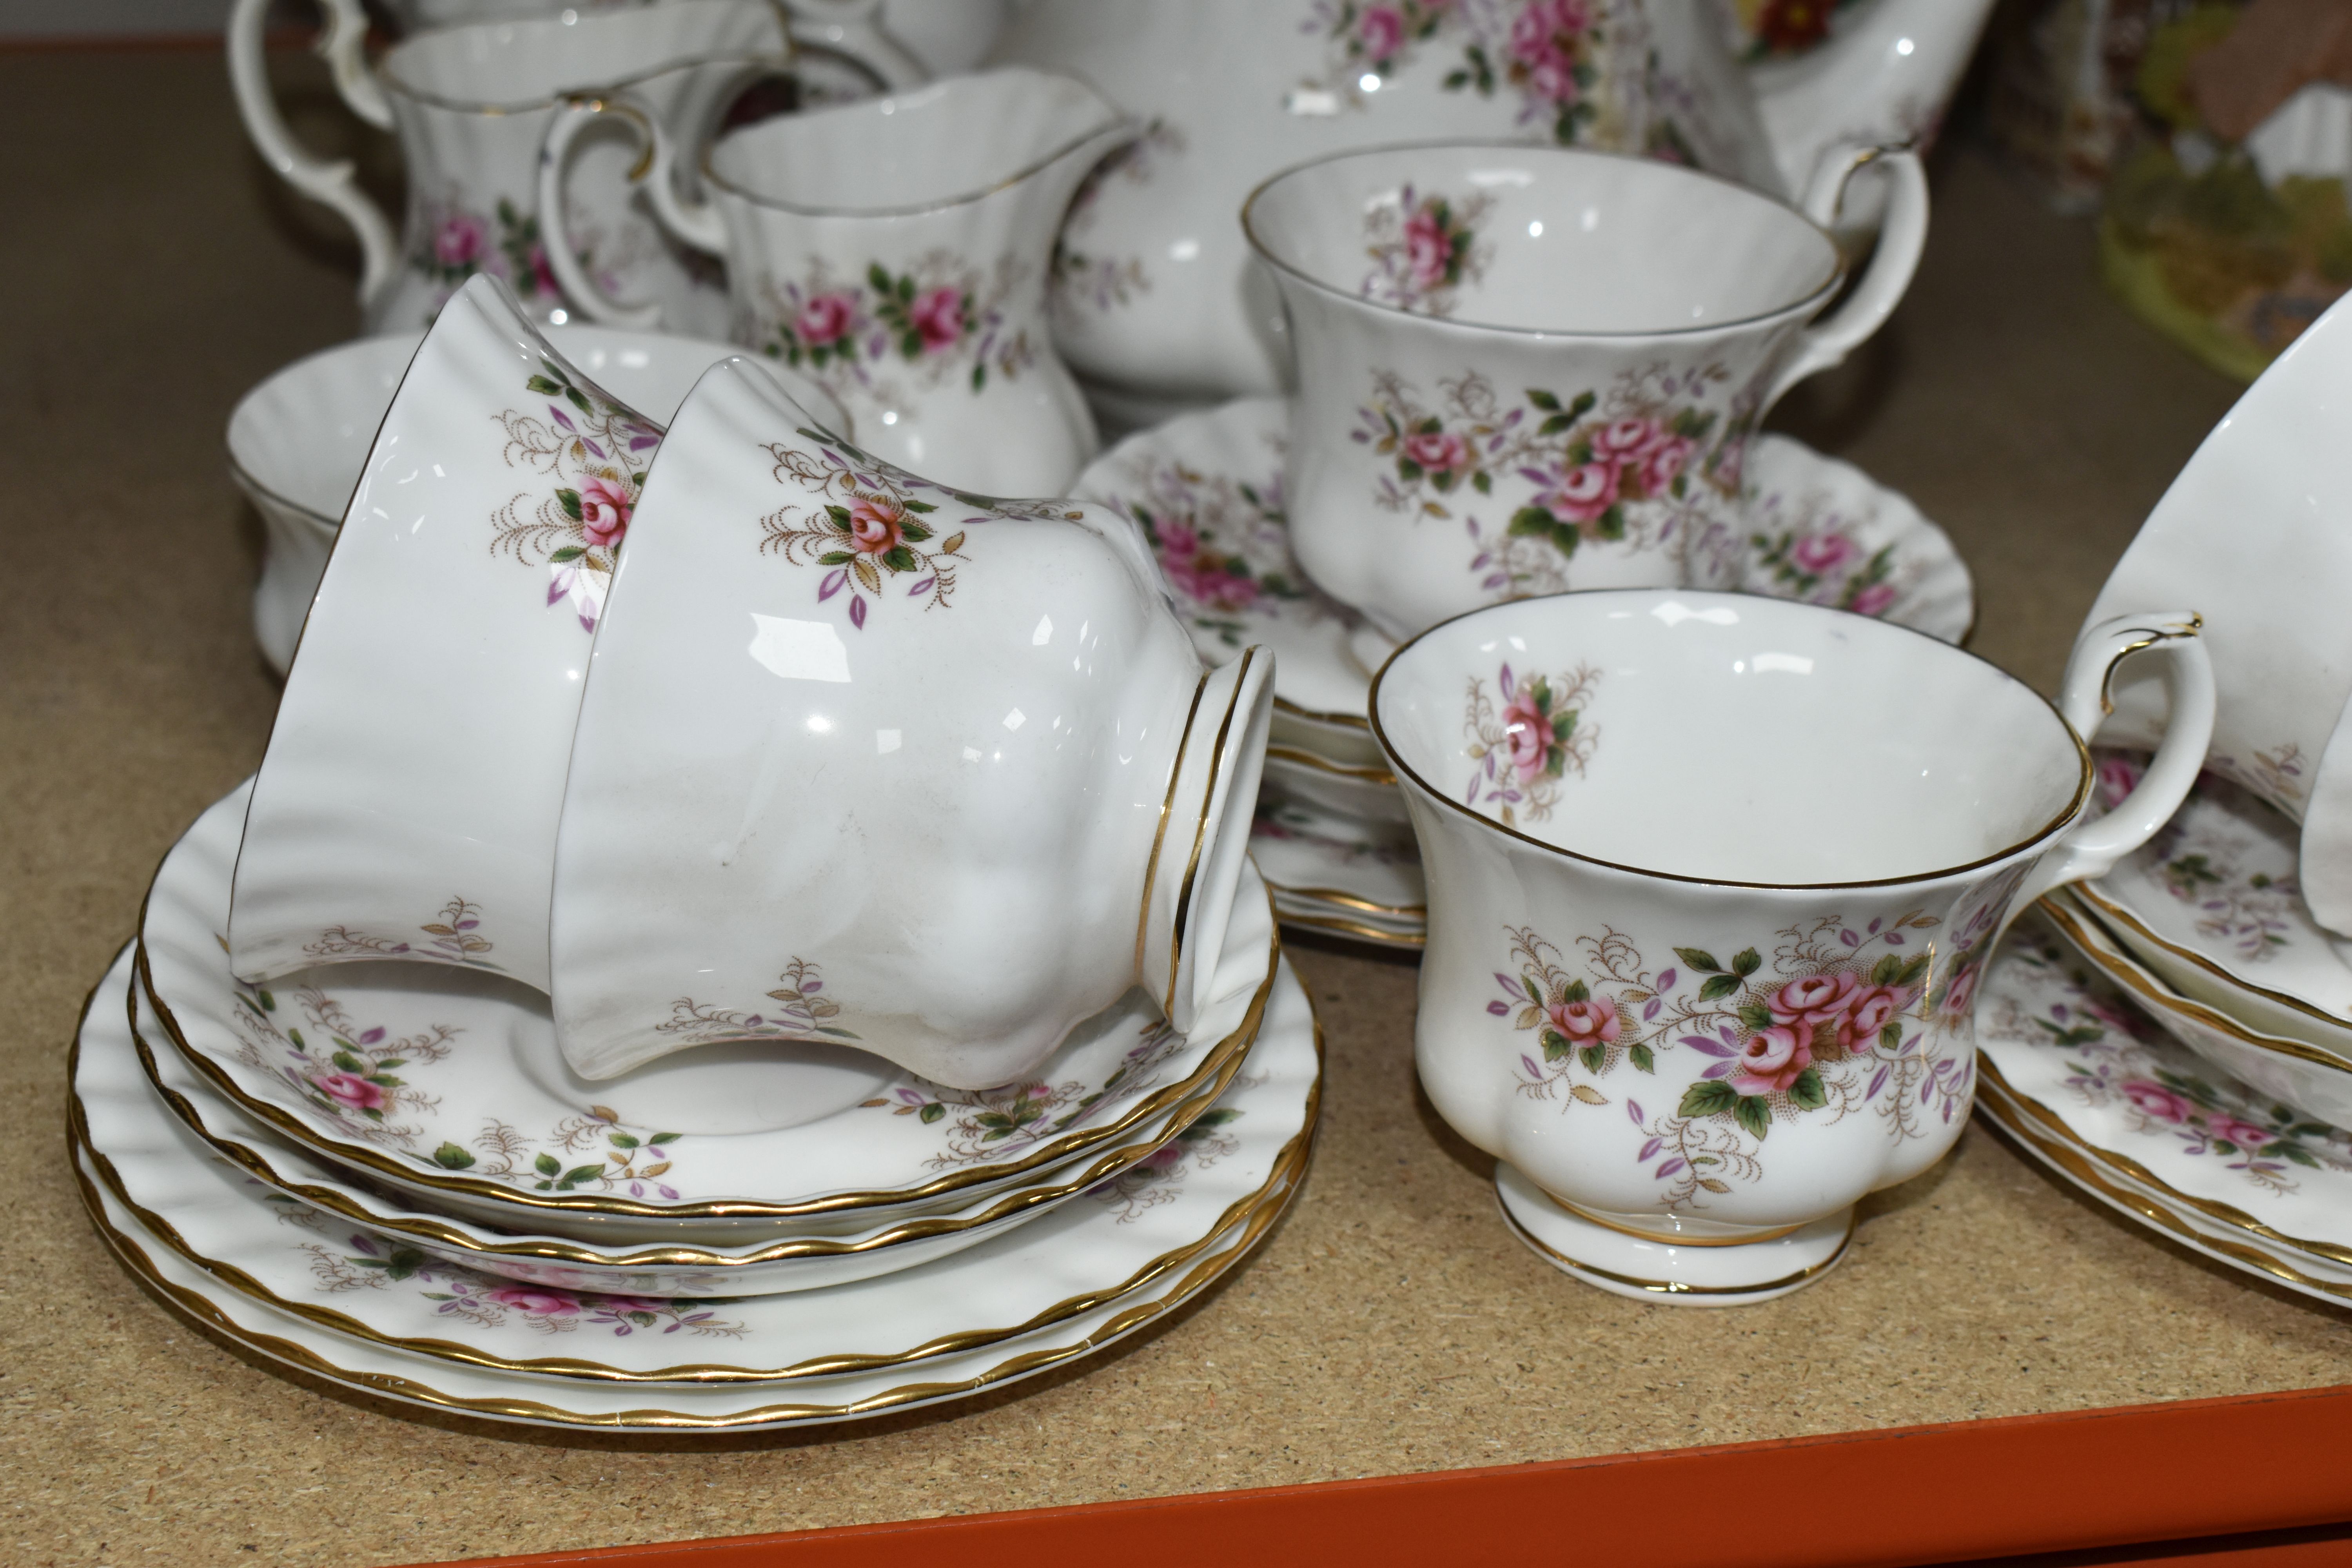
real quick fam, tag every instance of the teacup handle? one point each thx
(2091, 847)
(333, 184)
(1901, 237)
(851, 27)
(697, 223)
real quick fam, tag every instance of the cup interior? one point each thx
(1540, 239)
(1727, 738)
(953, 140)
(523, 63)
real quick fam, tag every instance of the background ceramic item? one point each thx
(1541, 381)
(989, 788)
(1016, 1278)
(417, 759)
(448, 1086)
(896, 250)
(298, 441)
(1715, 996)
(2248, 534)
(1156, 304)
(2282, 1068)
(471, 106)
(892, 42)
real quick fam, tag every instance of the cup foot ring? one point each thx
(1645, 1270)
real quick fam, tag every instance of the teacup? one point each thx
(951, 762)
(1523, 370)
(897, 250)
(472, 105)
(298, 441)
(1711, 882)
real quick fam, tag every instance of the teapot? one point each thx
(1156, 306)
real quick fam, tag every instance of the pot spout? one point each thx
(1880, 80)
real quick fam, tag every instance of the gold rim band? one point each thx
(1355, 928)
(2116, 913)
(1675, 1287)
(1305, 759)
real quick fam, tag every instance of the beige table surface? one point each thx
(149, 271)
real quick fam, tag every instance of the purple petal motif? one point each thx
(1666, 979)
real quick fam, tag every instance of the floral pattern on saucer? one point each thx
(454, 937)
(991, 1123)
(598, 465)
(2068, 1044)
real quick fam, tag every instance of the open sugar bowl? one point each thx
(1711, 881)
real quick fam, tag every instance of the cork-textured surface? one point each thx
(152, 271)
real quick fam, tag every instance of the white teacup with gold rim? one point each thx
(1524, 370)
(1711, 881)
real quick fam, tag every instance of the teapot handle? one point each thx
(2090, 847)
(1901, 237)
(333, 184)
(697, 223)
(852, 28)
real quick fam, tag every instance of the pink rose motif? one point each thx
(1589, 1023)
(1543, 45)
(460, 239)
(1528, 734)
(2118, 775)
(1583, 493)
(1624, 439)
(1662, 460)
(1428, 249)
(2155, 1101)
(1960, 990)
(2247, 1135)
(824, 319)
(1819, 554)
(1438, 451)
(874, 524)
(1167, 1157)
(938, 317)
(1874, 600)
(1814, 1000)
(1772, 1060)
(1870, 1011)
(351, 1091)
(605, 509)
(1380, 33)
(539, 278)
(1194, 569)
(534, 1300)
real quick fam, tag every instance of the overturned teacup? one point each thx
(869, 759)
(1522, 369)
(1711, 882)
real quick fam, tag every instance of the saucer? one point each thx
(2290, 1069)
(1209, 491)
(2094, 1089)
(447, 1085)
(795, 1263)
(520, 1399)
(1150, 1222)
(1331, 874)
(2213, 903)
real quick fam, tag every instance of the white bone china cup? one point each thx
(1711, 882)
(1522, 369)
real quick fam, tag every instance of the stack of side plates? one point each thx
(2079, 1073)
(1332, 836)
(383, 1174)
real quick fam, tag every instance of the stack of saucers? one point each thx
(943, 1104)
(1331, 835)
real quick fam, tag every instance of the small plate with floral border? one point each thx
(447, 1083)
(1338, 875)
(1208, 490)
(1146, 1222)
(2079, 1067)
(284, 1339)
(796, 1263)
(2214, 904)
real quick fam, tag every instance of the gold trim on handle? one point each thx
(1183, 913)
(1167, 809)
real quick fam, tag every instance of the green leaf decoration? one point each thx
(1746, 963)
(296, 1035)
(899, 558)
(578, 400)
(569, 553)
(1890, 1037)
(912, 505)
(568, 499)
(837, 558)
(659, 1138)
(1576, 990)
(1883, 972)
(1592, 1056)
(1642, 1059)
(1807, 1093)
(1756, 1016)
(1535, 993)
(877, 279)
(621, 1141)
(348, 1062)
(930, 1113)
(1555, 425)
(1718, 986)
(1910, 973)
(1698, 958)
(546, 1165)
(914, 531)
(268, 1002)
(1483, 482)
(1542, 399)
(1708, 1097)
(449, 1157)
(581, 1173)
(1555, 1044)
(839, 515)
(1583, 405)
(1753, 1114)
(2300, 1155)
(1531, 522)
(543, 386)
